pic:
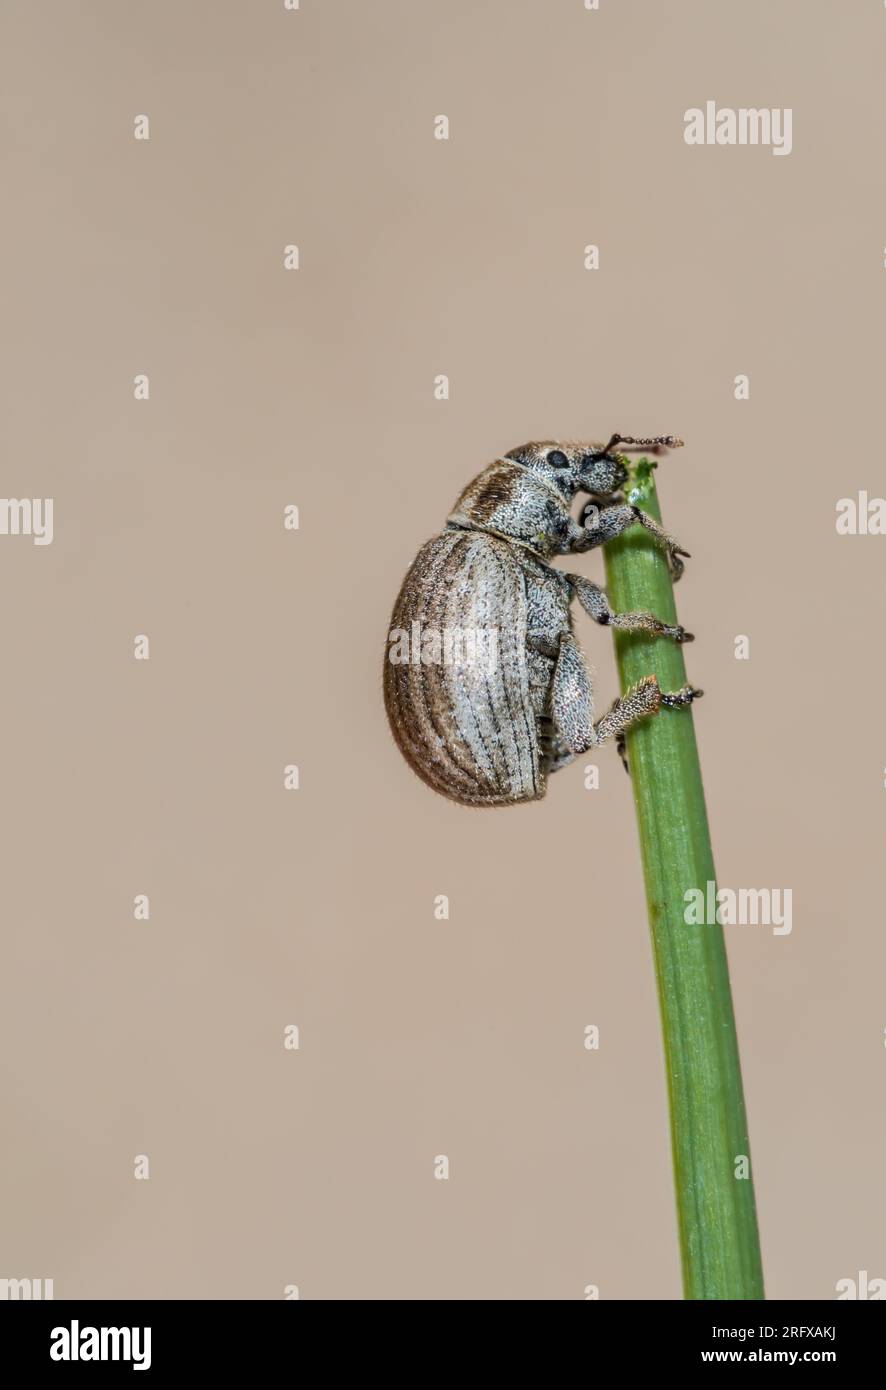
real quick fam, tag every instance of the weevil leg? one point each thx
(676, 699)
(551, 746)
(572, 701)
(594, 601)
(599, 526)
(643, 699)
(572, 697)
(562, 760)
(621, 748)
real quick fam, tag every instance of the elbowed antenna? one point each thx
(669, 441)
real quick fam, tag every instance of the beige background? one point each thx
(270, 907)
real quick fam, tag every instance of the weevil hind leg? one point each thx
(643, 699)
(621, 748)
(572, 698)
(572, 702)
(637, 703)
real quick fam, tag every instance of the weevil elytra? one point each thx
(486, 688)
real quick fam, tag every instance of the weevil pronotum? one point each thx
(486, 689)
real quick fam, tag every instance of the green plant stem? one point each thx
(716, 1211)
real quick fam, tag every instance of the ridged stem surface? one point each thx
(715, 1205)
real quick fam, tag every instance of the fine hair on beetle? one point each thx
(490, 730)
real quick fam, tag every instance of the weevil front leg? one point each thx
(572, 701)
(598, 526)
(594, 601)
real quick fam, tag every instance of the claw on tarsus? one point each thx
(621, 749)
(678, 699)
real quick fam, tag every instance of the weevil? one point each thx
(486, 688)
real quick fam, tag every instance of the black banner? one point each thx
(215, 1337)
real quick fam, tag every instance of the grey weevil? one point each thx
(485, 686)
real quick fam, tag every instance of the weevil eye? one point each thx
(557, 459)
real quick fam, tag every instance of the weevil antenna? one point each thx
(669, 441)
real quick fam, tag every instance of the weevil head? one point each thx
(573, 466)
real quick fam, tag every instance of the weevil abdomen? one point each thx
(461, 705)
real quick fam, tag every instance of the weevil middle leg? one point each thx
(594, 601)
